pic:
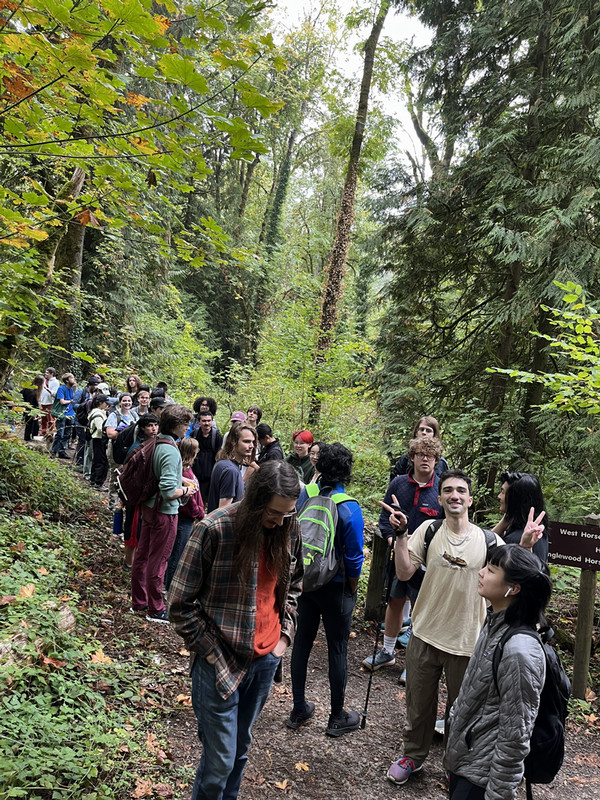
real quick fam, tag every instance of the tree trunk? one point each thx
(338, 256)
(68, 263)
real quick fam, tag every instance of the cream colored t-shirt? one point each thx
(449, 612)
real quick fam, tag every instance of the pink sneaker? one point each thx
(401, 770)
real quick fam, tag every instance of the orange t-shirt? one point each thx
(268, 626)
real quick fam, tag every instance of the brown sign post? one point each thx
(579, 546)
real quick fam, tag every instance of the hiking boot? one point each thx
(402, 678)
(382, 659)
(298, 718)
(342, 723)
(401, 770)
(403, 640)
(158, 616)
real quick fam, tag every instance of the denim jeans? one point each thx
(62, 435)
(225, 726)
(184, 530)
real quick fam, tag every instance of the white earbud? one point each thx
(508, 591)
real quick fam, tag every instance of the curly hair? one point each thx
(429, 446)
(250, 536)
(335, 464)
(209, 401)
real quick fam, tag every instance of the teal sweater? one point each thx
(167, 468)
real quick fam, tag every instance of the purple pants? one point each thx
(151, 558)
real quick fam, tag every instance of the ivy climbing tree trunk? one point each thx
(338, 256)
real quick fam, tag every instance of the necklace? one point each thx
(460, 542)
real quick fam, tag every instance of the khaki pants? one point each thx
(424, 666)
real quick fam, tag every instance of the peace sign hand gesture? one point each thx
(533, 530)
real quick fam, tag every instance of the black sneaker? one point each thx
(298, 718)
(342, 723)
(158, 616)
(64, 455)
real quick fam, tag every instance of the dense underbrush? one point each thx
(67, 711)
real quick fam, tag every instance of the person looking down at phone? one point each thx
(417, 495)
(449, 611)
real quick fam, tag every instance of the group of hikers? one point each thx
(245, 552)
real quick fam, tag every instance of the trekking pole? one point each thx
(386, 577)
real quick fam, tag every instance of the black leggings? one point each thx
(462, 789)
(99, 462)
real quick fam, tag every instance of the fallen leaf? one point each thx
(27, 591)
(18, 548)
(143, 788)
(301, 766)
(591, 718)
(184, 699)
(43, 571)
(37, 515)
(151, 741)
(124, 748)
(99, 658)
(590, 695)
(163, 790)
(282, 784)
(587, 760)
(87, 573)
(352, 635)
(8, 598)
(47, 661)
(183, 652)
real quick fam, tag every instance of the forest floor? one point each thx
(304, 763)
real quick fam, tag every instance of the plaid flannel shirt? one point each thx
(210, 609)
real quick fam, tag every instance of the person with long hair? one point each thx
(519, 493)
(226, 480)
(233, 600)
(490, 723)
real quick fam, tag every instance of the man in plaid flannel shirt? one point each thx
(233, 600)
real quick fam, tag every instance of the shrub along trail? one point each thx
(303, 763)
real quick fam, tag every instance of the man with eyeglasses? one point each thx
(233, 599)
(417, 495)
(332, 603)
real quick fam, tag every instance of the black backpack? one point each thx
(123, 442)
(82, 411)
(417, 578)
(547, 745)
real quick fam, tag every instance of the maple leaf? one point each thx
(163, 790)
(43, 571)
(301, 766)
(86, 217)
(590, 695)
(47, 661)
(143, 788)
(99, 658)
(18, 548)
(7, 599)
(27, 591)
(283, 785)
(85, 573)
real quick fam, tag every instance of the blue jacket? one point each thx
(419, 503)
(349, 538)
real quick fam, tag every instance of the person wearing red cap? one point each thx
(300, 459)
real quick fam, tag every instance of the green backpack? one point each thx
(318, 520)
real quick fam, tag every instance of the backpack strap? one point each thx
(429, 534)
(499, 649)
(312, 489)
(340, 497)
(490, 543)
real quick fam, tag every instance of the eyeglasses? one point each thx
(458, 562)
(425, 456)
